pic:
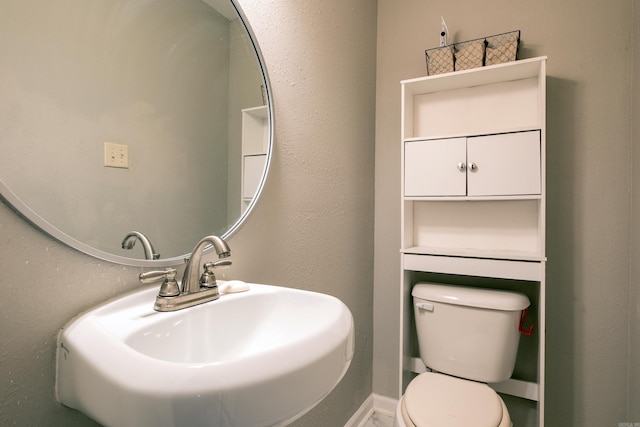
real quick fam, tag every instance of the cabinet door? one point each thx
(435, 168)
(506, 164)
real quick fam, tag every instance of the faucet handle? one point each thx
(220, 264)
(208, 278)
(169, 287)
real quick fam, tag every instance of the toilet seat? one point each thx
(438, 400)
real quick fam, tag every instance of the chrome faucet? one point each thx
(130, 240)
(191, 277)
(195, 288)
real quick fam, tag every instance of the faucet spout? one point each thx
(191, 277)
(130, 240)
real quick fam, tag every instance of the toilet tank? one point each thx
(468, 332)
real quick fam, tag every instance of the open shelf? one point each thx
(480, 228)
(499, 98)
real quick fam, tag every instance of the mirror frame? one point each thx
(14, 202)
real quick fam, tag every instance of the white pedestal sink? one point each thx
(258, 358)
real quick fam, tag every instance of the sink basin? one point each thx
(258, 358)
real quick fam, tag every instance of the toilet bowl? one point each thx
(438, 400)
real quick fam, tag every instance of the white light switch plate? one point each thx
(116, 155)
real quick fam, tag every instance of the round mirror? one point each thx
(130, 129)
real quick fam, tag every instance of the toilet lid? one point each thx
(437, 400)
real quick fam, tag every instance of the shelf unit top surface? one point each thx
(515, 70)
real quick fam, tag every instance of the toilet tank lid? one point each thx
(472, 297)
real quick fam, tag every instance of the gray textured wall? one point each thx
(633, 398)
(313, 229)
(589, 143)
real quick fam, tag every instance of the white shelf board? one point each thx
(471, 198)
(471, 134)
(260, 112)
(476, 253)
(516, 70)
(518, 269)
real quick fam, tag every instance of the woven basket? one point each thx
(475, 53)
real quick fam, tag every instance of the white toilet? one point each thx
(468, 337)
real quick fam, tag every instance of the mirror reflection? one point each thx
(131, 120)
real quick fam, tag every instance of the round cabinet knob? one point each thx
(472, 167)
(461, 167)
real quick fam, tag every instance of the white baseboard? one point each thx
(384, 405)
(362, 414)
(372, 404)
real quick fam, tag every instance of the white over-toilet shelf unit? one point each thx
(473, 196)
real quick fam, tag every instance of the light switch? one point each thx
(116, 155)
